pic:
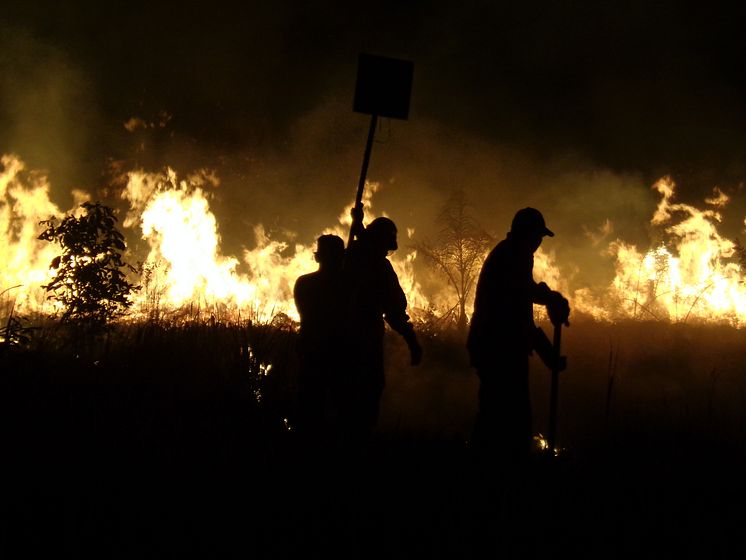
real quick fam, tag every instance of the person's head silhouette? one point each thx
(381, 234)
(330, 252)
(529, 226)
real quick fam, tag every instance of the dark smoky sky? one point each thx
(575, 107)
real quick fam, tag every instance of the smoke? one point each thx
(48, 111)
(418, 163)
(265, 105)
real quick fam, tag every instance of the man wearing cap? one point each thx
(503, 335)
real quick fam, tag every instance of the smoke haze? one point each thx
(576, 111)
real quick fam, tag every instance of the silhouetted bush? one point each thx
(89, 282)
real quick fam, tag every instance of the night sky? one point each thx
(574, 106)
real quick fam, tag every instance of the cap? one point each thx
(530, 220)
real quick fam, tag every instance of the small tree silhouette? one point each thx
(458, 250)
(89, 280)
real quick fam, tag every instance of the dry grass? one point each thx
(168, 437)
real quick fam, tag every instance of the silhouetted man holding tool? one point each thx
(376, 297)
(503, 335)
(322, 299)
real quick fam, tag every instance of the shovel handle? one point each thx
(364, 170)
(554, 390)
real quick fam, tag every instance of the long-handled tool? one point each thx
(553, 394)
(364, 172)
(382, 89)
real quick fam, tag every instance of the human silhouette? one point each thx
(503, 335)
(322, 300)
(377, 297)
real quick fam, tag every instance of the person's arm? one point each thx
(395, 313)
(301, 304)
(298, 295)
(557, 305)
(541, 293)
(546, 351)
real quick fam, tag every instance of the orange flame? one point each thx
(692, 276)
(24, 261)
(175, 219)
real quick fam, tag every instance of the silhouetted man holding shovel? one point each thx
(503, 335)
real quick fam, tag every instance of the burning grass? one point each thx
(658, 382)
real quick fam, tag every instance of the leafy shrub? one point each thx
(90, 282)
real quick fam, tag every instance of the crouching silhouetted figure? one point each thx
(503, 335)
(322, 300)
(377, 296)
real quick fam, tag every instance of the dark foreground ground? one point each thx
(123, 466)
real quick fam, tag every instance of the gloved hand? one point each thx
(558, 309)
(356, 228)
(357, 214)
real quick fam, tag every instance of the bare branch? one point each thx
(459, 248)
